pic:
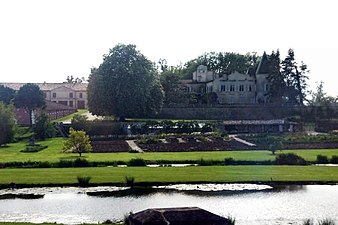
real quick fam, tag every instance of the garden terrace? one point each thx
(110, 146)
(189, 143)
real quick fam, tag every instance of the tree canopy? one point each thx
(77, 142)
(288, 80)
(29, 97)
(6, 124)
(126, 84)
(6, 94)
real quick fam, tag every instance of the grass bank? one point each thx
(116, 175)
(54, 153)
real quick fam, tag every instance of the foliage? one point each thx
(274, 146)
(6, 94)
(295, 78)
(80, 122)
(289, 159)
(77, 142)
(221, 63)
(129, 181)
(137, 162)
(7, 124)
(322, 159)
(334, 159)
(326, 222)
(34, 148)
(74, 80)
(83, 180)
(231, 220)
(173, 93)
(320, 97)
(126, 84)
(43, 128)
(29, 97)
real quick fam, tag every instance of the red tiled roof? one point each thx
(50, 86)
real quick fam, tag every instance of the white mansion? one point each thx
(73, 95)
(235, 88)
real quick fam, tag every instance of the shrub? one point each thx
(137, 162)
(231, 220)
(43, 128)
(229, 161)
(83, 181)
(149, 140)
(326, 222)
(334, 159)
(289, 159)
(203, 162)
(65, 163)
(308, 222)
(34, 148)
(79, 162)
(130, 181)
(322, 159)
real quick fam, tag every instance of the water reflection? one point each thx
(281, 205)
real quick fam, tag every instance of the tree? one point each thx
(29, 97)
(77, 142)
(221, 63)
(126, 84)
(6, 124)
(72, 80)
(171, 87)
(320, 97)
(6, 94)
(295, 78)
(277, 83)
(43, 128)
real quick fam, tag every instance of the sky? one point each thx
(48, 40)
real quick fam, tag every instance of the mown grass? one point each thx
(54, 153)
(103, 175)
(69, 117)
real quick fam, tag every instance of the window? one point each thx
(232, 87)
(71, 95)
(44, 95)
(266, 87)
(241, 87)
(250, 88)
(71, 103)
(80, 95)
(222, 87)
(54, 95)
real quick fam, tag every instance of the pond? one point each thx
(249, 204)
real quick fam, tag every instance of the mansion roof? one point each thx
(50, 86)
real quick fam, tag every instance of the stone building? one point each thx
(69, 94)
(235, 88)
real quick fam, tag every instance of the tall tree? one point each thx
(320, 97)
(276, 80)
(295, 78)
(126, 84)
(6, 124)
(29, 97)
(6, 94)
(171, 86)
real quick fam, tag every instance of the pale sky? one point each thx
(48, 40)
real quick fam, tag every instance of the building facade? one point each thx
(235, 88)
(73, 95)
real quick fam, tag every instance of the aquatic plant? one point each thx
(129, 181)
(232, 220)
(83, 180)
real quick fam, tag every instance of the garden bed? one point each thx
(110, 146)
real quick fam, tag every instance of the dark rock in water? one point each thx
(176, 216)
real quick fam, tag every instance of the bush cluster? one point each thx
(289, 159)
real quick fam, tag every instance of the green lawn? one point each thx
(171, 174)
(69, 117)
(54, 153)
